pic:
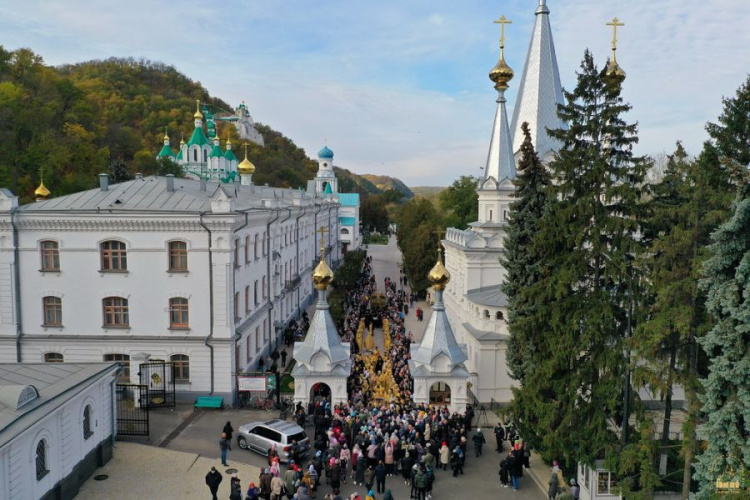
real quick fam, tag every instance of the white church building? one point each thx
(474, 302)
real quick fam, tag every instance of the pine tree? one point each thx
(726, 390)
(519, 259)
(731, 133)
(119, 171)
(587, 236)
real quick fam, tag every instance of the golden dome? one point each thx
(42, 191)
(501, 74)
(322, 275)
(198, 113)
(614, 69)
(439, 275)
(246, 167)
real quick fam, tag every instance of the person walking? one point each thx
(235, 488)
(478, 441)
(213, 480)
(369, 478)
(277, 488)
(228, 430)
(380, 473)
(283, 358)
(359, 477)
(504, 469)
(224, 447)
(445, 454)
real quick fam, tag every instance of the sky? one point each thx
(400, 87)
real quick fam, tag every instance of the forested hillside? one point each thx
(78, 120)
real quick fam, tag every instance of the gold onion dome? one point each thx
(439, 275)
(198, 113)
(501, 74)
(246, 167)
(322, 275)
(42, 191)
(614, 69)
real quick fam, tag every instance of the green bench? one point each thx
(209, 402)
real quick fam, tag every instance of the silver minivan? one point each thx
(261, 436)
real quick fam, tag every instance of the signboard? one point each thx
(251, 384)
(271, 382)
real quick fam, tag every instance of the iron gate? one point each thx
(132, 414)
(159, 378)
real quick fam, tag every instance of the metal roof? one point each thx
(483, 335)
(438, 337)
(346, 221)
(488, 296)
(56, 383)
(500, 162)
(152, 194)
(322, 336)
(349, 199)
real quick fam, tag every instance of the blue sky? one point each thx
(400, 87)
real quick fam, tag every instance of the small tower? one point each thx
(325, 176)
(245, 169)
(439, 358)
(322, 357)
(166, 150)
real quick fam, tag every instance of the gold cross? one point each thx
(245, 144)
(615, 23)
(322, 231)
(440, 233)
(41, 174)
(502, 22)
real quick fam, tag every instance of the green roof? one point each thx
(328, 189)
(346, 221)
(179, 154)
(198, 138)
(349, 199)
(216, 152)
(166, 152)
(229, 155)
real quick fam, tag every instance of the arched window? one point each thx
(50, 253)
(195, 155)
(247, 249)
(181, 367)
(486, 314)
(124, 360)
(255, 293)
(498, 315)
(255, 247)
(41, 459)
(116, 312)
(236, 252)
(178, 313)
(236, 306)
(52, 311)
(53, 357)
(178, 256)
(114, 256)
(344, 231)
(87, 432)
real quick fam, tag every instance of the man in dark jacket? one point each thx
(478, 441)
(515, 468)
(499, 436)
(380, 476)
(213, 480)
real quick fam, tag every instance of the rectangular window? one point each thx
(178, 313)
(237, 252)
(265, 332)
(52, 311)
(255, 247)
(255, 293)
(124, 360)
(247, 299)
(264, 287)
(50, 256)
(257, 339)
(247, 249)
(116, 313)
(114, 256)
(178, 256)
(248, 350)
(181, 367)
(237, 306)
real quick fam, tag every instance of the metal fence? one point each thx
(132, 412)
(159, 378)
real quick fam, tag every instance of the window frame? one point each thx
(111, 259)
(115, 311)
(86, 424)
(49, 253)
(181, 368)
(179, 307)
(40, 459)
(52, 357)
(52, 306)
(123, 359)
(177, 256)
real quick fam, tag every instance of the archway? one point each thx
(319, 393)
(440, 393)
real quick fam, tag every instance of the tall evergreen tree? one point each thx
(726, 394)
(686, 205)
(568, 403)
(521, 263)
(733, 128)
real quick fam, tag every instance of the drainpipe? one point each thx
(296, 222)
(210, 336)
(17, 285)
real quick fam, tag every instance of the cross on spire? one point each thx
(502, 22)
(245, 144)
(614, 23)
(440, 233)
(322, 232)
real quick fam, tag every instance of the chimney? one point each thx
(139, 176)
(203, 184)
(104, 182)
(170, 182)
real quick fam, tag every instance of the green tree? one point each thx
(726, 389)
(417, 238)
(459, 202)
(119, 171)
(733, 128)
(521, 262)
(374, 214)
(567, 403)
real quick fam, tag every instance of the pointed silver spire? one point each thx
(500, 162)
(540, 90)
